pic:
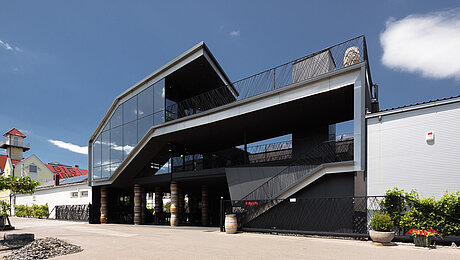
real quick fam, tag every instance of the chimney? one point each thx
(56, 180)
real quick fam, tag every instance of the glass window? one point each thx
(105, 147)
(97, 151)
(107, 126)
(129, 137)
(115, 120)
(116, 146)
(130, 110)
(159, 96)
(113, 167)
(105, 171)
(33, 168)
(97, 172)
(84, 193)
(158, 118)
(145, 102)
(143, 125)
(171, 110)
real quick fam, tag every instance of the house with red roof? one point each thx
(51, 176)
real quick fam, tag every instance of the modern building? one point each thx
(188, 130)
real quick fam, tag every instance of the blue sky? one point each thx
(63, 62)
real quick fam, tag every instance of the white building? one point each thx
(415, 147)
(71, 191)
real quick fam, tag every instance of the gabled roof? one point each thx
(16, 132)
(65, 172)
(3, 159)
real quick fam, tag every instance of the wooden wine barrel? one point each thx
(231, 224)
(204, 205)
(104, 197)
(137, 204)
(174, 198)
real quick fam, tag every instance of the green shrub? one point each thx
(4, 208)
(409, 211)
(382, 222)
(36, 211)
(167, 207)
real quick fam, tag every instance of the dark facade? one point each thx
(186, 130)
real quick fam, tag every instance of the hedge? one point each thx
(412, 211)
(36, 211)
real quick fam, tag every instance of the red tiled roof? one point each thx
(14, 131)
(14, 162)
(2, 162)
(65, 172)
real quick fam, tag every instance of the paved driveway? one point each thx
(113, 241)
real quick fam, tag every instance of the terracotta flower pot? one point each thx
(381, 237)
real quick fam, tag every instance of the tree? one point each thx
(24, 185)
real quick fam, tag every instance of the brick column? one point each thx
(104, 201)
(158, 204)
(137, 204)
(174, 207)
(204, 205)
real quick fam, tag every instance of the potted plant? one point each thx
(381, 224)
(423, 237)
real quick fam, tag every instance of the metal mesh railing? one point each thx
(338, 215)
(72, 212)
(326, 152)
(332, 58)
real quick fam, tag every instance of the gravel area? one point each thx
(44, 248)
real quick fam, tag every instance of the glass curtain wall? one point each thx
(126, 127)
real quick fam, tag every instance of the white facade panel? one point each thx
(400, 156)
(56, 196)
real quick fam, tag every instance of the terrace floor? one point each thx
(162, 242)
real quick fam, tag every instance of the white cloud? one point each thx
(235, 34)
(8, 47)
(428, 44)
(69, 146)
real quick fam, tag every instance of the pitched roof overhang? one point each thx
(197, 51)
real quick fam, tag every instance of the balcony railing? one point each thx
(330, 59)
(16, 144)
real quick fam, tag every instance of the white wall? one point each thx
(55, 196)
(399, 155)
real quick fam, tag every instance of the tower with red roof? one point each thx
(14, 144)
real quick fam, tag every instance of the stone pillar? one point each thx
(104, 201)
(174, 221)
(181, 204)
(143, 202)
(158, 204)
(137, 204)
(204, 205)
